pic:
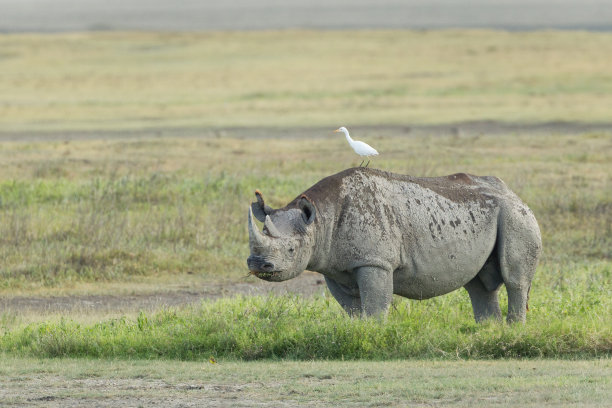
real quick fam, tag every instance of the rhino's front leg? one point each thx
(375, 290)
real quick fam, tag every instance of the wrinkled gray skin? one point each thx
(373, 234)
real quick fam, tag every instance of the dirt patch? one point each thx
(129, 392)
(307, 284)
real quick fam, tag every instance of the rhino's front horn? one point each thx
(271, 228)
(256, 238)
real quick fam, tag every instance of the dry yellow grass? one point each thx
(280, 78)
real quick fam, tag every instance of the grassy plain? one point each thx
(116, 216)
(89, 214)
(296, 78)
(93, 382)
(96, 215)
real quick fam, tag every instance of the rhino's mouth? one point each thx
(259, 267)
(263, 275)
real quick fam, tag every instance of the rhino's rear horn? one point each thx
(308, 209)
(271, 228)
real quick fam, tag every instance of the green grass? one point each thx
(564, 322)
(296, 78)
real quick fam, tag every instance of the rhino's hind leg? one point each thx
(485, 303)
(484, 288)
(519, 247)
(348, 299)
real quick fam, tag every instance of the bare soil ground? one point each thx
(307, 284)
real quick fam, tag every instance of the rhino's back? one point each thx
(366, 182)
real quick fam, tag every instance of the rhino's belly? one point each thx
(429, 283)
(439, 271)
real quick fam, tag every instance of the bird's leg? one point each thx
(362, 162)
(367, 163)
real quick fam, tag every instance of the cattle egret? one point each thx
(361, 148)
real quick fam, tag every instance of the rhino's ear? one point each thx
(309, 212)
(259, 207)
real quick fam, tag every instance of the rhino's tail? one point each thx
(527, 303)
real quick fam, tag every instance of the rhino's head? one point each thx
(283, 249)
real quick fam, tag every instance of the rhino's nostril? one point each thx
(267, 266)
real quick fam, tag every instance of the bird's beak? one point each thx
(336, 131)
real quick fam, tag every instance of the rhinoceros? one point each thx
(373, 234)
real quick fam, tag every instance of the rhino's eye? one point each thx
(291, 250)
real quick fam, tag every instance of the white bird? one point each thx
(361, 148)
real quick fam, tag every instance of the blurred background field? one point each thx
(122, 81)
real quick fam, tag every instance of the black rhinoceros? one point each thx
(373, 234)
